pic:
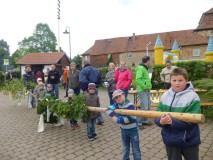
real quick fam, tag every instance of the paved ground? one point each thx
(19, 138)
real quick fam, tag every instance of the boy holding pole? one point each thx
(128, 125)
(181, 138)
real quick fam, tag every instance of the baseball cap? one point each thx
(116, 93)
(70, 91)
(91, 86)
(39, 79)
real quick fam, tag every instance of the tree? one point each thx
(42, 40)
(4, 54)
(109, 60)
(78, 61)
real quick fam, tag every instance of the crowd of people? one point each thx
(180, 138)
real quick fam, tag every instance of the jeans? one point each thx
(91, 127)
(100, 118)
(55, 90)
(133, 138)
(126, 91)
(145, 105)
(110, 98)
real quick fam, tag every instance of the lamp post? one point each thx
(67, 31)
(147, 48)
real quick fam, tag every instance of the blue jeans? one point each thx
(55, 90)
(110, 98)
(145, 105)
(91, 127)
(126, 91)
(133, 138)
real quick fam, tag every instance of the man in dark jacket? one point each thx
(28, 78)
(88, 75)
(54, 79)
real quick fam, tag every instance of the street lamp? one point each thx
(147, 48)
(67, 31)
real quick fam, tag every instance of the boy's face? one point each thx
(49, 88)
(91, 90)
(178, 83)
(70, 94)
(120, 99)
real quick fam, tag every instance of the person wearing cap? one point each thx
(143, 88)
(128, 125)
(123, 78)
(165, 74)
(73, 122)
(92, 99)
(49, 91)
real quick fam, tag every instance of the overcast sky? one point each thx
(90, 20)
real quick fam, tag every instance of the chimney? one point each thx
(133, 37)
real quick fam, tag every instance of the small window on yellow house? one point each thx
(196, 52)
(129, 55)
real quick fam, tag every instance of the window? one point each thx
(109, 56)
(129, 55)
(196, 52)
(85, 57)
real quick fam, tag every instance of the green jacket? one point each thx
(142, 79)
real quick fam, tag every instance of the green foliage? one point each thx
(109, 60)
(42, 108)
(156, 81)
(196, 71)
(5, 54)
(78, 61)
(2, 79)
(207, 84)
(15, 87)
(30, 85)
(72, 109)
(42, 40)
(103, 72)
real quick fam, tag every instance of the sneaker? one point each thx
(149, 123)
(58, 125)
(72, 127)
(94, 135)
(91, 138)
(141, 127)
(100, 123)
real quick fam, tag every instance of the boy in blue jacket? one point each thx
(128, 125)
(181, 138)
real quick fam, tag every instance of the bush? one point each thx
(207, 84)
(2, 78)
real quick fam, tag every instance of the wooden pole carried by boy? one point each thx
(186, 117)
